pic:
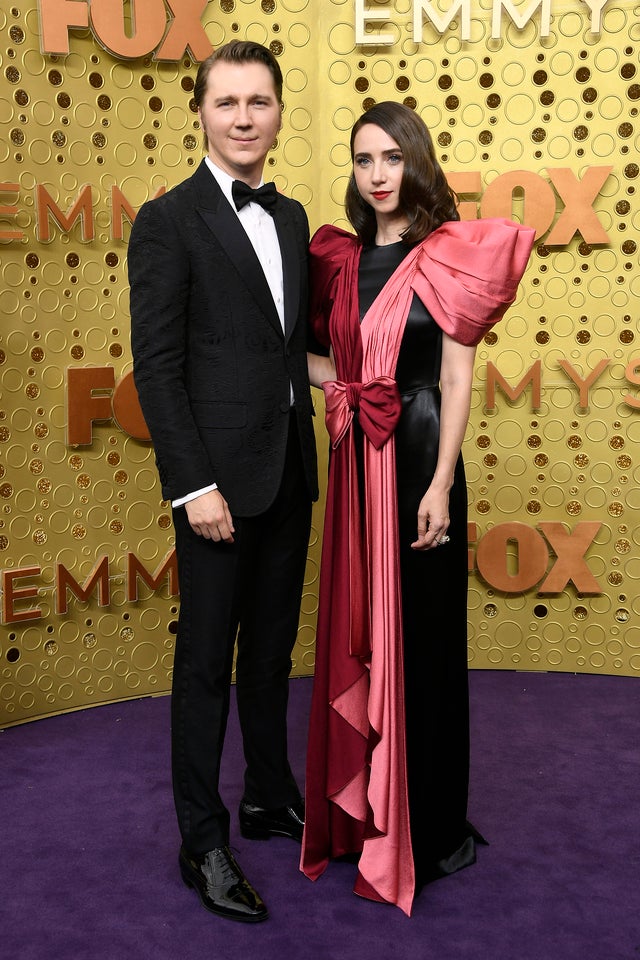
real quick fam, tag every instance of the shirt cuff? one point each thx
(192, 496)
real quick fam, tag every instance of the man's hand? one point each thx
(210, 517)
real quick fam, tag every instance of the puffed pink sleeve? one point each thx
(468, 274)
(330, 246)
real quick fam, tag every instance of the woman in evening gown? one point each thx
(401, 305)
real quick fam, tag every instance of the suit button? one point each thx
(284, 407)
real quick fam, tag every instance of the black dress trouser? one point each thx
(250, 588)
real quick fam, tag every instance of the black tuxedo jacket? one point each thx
(211, 363)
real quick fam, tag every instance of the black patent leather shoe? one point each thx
(221, 885)
(256, 823)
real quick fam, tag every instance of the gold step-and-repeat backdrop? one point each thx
(534, 112)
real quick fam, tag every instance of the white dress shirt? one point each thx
(261, 231)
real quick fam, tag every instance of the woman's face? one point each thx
(378, 166)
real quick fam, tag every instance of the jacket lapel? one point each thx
(290, 266)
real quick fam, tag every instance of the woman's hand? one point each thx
(433, 519)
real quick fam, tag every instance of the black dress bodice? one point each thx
(417, 375)
(418, 363)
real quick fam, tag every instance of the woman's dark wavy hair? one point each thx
(425, 195)
(237, 51)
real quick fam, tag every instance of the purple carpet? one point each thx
(89, 841)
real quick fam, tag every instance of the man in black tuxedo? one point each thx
(218, 317)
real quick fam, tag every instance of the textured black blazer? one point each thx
(211, 363)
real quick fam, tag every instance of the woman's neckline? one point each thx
(385, 246)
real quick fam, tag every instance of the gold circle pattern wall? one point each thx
(534, 120)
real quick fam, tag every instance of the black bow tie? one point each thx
(266, 195)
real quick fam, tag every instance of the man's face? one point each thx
(240, 115)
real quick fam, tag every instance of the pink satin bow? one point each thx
(378, 404)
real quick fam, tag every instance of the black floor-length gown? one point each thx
(388, 757)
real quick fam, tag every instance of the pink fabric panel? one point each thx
(468, 274)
